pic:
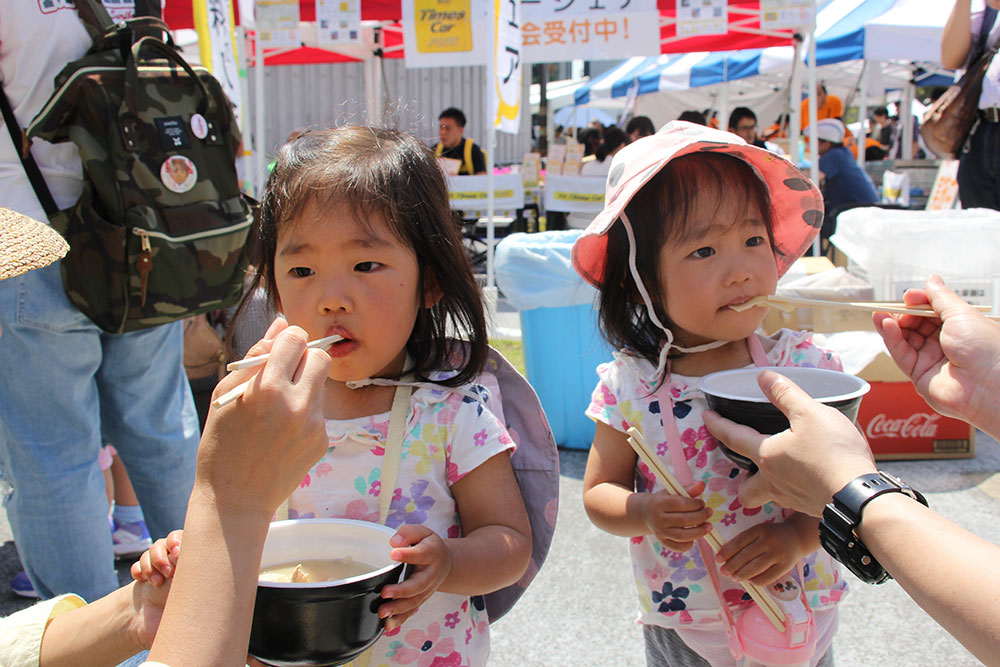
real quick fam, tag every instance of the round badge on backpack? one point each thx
(199, 126)
(178, 173)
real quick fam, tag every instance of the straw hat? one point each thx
(26, 244)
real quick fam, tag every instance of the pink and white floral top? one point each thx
(675, 588)
(448, 434)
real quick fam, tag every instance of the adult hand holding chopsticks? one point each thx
(952, 359)
(253, 454)
(290, 383)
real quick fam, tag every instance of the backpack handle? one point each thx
(130, 104)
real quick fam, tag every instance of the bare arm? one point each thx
(207, 618)
(492, 553)
(107, 631)
(614, 506)
(496, 544)
(957, 36)
(947, 570)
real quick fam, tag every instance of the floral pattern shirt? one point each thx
(448, 434)
(675, 588)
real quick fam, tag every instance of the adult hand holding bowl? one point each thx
(736, 396)
(801, 468)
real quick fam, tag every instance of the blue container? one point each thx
(562, 348)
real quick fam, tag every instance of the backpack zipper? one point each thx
(145, 262)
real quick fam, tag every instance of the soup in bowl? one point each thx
(736, 396)
(319, 591)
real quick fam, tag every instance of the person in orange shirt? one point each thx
(828, 106)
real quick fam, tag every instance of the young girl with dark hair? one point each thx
(697, 221)
(355, 237)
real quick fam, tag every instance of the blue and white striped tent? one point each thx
(846, 30)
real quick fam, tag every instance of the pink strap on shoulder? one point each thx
(757, 352)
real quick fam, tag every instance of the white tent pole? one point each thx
(260, 164)
(906, 118)
(795, 103)
(369, 98)
(813, 142)
(724, 106)
(863, 112)
(492, 140)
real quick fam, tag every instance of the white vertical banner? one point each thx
(338, 22)
(506, 102)
(278, 23)
(213, 20)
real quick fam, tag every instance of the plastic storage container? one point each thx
(562, 344)
(896, 250)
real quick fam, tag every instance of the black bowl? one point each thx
(328, 622)
(736, 396)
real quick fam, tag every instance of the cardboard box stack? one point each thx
(897, 422)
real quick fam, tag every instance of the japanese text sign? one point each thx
(555, 30)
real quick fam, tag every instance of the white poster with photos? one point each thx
(278, 23)
(702, 17)
(778, 14)
(338, 22)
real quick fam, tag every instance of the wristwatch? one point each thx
(842, 516)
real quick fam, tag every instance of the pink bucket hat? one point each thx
(796, 203)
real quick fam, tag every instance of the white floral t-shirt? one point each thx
(448, 434)
(675, 588)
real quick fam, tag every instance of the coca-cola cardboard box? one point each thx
(899, 424)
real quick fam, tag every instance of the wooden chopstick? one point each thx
(869, 306)
(774, 612)
(250, 362)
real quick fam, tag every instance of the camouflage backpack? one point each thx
(160, 230)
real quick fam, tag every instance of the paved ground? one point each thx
(579, 611)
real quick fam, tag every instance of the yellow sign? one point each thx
(589, 197)
(497, 194)
(443, 26)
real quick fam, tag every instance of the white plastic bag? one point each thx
(896, 187)
(535, 271)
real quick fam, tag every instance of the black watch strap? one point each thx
(842, 517)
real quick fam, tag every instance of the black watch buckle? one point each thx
(843, 515)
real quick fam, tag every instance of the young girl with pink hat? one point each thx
(696, 221)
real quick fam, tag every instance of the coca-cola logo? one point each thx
(917, 425)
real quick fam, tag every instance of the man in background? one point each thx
(743, 123)
(452, 145)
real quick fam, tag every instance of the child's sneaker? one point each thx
(21, 585)
(129, 539)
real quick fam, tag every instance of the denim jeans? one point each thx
(66, 387)
(979, 169)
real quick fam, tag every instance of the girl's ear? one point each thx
(432, 291)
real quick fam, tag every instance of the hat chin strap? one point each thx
(669, 343)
